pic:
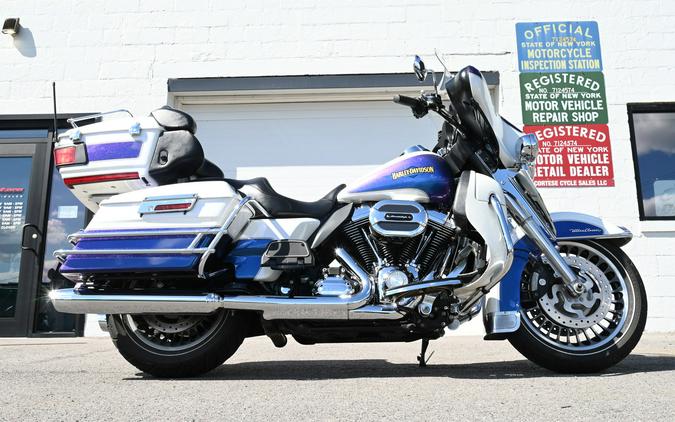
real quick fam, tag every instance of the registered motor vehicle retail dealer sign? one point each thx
(558, 47)
(563, 98)
(573, 156)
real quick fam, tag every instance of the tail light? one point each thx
(65, 156)
(72, 181)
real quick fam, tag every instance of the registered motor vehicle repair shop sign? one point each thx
(563, 101)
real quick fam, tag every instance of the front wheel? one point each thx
(588, 333)
(177, 346)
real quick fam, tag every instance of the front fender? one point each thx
(569, 225)
(575, 225)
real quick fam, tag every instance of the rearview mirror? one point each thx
(420, 70)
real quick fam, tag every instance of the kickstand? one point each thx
(421, 359)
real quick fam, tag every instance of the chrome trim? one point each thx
(75, 136)
(420, 218)
(421, 288)
(223, 230)
(438, 217)
(74, 120)
(186, 251)
(503, 222)
(148, 205)
(625, 235)
(360, 213)
(529, 149)
(135, 129)
(520, 186)
(545, 245)
(526, 185)
(373, 312)
(82, 235)
(499, 323)
(272, 307)
(70, 301)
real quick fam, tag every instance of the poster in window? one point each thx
(664, 198)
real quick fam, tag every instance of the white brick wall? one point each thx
(111, 54)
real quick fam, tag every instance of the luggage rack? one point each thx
(192, 249)
(73, 120)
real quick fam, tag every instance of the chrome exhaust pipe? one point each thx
(272, 307)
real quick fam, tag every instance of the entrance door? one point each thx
(22, 189)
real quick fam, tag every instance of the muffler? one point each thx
(272, 307)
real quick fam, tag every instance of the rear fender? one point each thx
(569, 225)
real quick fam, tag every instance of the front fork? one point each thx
(523, 213)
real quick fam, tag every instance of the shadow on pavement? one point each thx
(378, 368)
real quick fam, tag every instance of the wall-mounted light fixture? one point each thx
(11, 26)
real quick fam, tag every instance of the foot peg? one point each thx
(272, 331)
(278, 339)
(421, 359)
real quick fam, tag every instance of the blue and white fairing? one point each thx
(420, 176)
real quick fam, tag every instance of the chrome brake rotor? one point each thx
(171, 324)
(587, 309)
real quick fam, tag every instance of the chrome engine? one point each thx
(399, 219)
(399, 242)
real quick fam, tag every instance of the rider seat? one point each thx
(279, 206)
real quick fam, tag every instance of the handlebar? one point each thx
(408, 101)
(419, 106)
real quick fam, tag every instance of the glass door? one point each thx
(22, 183)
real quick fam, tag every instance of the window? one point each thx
(652, 129)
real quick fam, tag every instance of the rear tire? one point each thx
(176, 346)
(571, 351)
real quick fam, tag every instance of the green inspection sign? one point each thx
(563, 98)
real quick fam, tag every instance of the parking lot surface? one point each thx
(467, 378)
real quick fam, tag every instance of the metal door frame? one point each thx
(24, 324)
(29, 270)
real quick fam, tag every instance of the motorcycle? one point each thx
(186, 264)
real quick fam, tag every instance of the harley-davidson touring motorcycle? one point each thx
(186, 264)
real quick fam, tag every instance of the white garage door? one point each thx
(306, 149)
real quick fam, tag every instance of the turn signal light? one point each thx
(64, 156)
(71, 181)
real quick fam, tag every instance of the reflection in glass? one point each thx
(655, 146)
(14, 184)
(66, 215)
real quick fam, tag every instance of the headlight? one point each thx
(529, 149)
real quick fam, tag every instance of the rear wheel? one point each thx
(588, 333)
(176, 346)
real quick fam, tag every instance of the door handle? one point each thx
(33, 237)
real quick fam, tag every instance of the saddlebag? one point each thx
(167, 228)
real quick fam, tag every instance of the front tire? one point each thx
(568, 337)
(177, 346)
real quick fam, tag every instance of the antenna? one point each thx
(54, 136)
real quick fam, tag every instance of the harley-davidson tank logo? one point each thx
(412, 171)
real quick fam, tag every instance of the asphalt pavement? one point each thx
(467, 378)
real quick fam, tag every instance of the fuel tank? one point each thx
(419, 176)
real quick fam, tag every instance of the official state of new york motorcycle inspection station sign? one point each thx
(564, 104)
